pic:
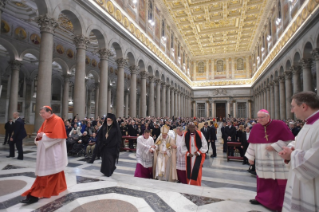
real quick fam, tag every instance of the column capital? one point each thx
(306, 63)
(157, 81)
(282, 79)
(275, 82)
(288, 75)
(315, 54)
(121, 62)
(143, 74)
(81, 41)
(15, 64)
(163, 83)
(151, 79)
(134, 69)
(295, 70)
(105, 53)
(172, 88)
(168, 85)
(271, 84)
(46, 24)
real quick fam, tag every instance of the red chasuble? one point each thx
(50, 185)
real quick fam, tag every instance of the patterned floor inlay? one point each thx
(109, 205)
(154, 201)
(200, 200)
(10, 186)
(80, 179)
(7, 167)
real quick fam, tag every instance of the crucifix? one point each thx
(266, 136)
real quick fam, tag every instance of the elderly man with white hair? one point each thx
(266, 140)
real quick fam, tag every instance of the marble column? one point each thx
(194, 109)
(277, 102)
(315, 54)
(121, 62)
(65, 99)
(151, 97)
(296, 78)
(282, 98)
(44, 94)
(176, 103)
(172, 102)
(97, 97)
(143, 75)
(104, 79)
(109, 100)
(288, 83)
(2, 6)
(163, 113)
(249, 109)
(126, 104)
(272, 100)
(227, 108)
(213, 109)
(158, 97)
(14, 87)
(79, 79)
(306, 74)
(179, 104)
(234, 109)
(168, 100)
(268, 98)
(133, 70)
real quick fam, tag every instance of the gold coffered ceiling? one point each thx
(217, 26)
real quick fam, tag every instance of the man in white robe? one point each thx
(302, 157)
(144, 155)
(181, 160)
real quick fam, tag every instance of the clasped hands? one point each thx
(40, 135)
(191, 155)
(286, 153)
(151, 151)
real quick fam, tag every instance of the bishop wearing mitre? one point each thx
(164, 167)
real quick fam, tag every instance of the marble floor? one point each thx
(226, 186)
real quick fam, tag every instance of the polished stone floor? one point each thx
(226, 186)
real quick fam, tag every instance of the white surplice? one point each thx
(269, 165)
(181, 160)
(143, 154)
(52, 156)
(302, 190)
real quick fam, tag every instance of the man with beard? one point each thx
(109, 144)
(195, 148)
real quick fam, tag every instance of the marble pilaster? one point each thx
(277, 102)
(272, 100)
(172, 102)
(121, 62)
(249, 109)
(168, 100)
(176, 103)
(151, 97)
(133, 70)
(288, 83)
(158, 97)
(14, 87)
(104, 79)
(306, 74)
(282, 98)
(126, 104)
(143, 75)
(163, 101)
(268, 98)
(296, 78)
(234, 109)
(44, 93)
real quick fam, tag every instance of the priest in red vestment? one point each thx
(51, 158)
(266, 140)
(194, 148)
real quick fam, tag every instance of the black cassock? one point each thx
(109, 147)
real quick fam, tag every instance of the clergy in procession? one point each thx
(144, 155)
(51, 158)
(181, 159)
(302, 156)
(164, 167)
(266, 140)
(109, 143)
(194, 148)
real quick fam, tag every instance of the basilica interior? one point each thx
(158, 58)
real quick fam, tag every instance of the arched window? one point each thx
(220, 66)
(240, 64)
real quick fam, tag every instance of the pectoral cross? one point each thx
(266, 136)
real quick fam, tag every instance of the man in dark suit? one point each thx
(244, 144)
(205, 132)
(224, 137)
(212, 138)
(132, 131)
(230, 134)
(9, 129)
(19, 134)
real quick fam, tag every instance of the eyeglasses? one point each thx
(261, 117)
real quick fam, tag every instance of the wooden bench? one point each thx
(123, 148)
(233, 144)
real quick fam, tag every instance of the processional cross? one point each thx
(266, 136)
